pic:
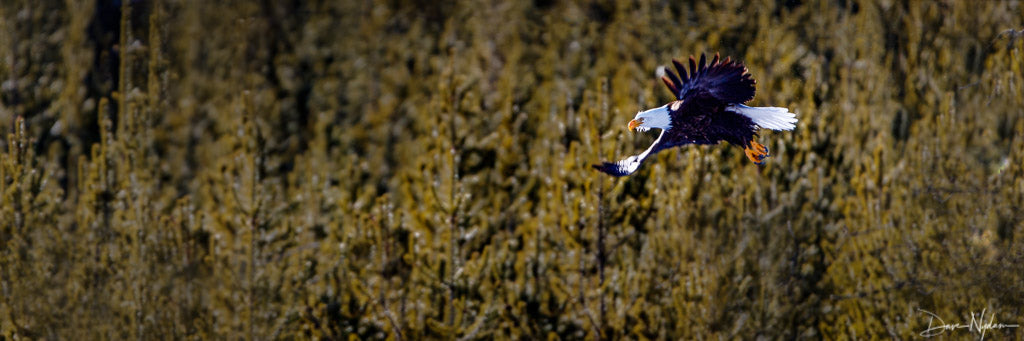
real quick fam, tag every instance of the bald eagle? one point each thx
(708, 109)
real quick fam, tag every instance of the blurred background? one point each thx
(419, 170)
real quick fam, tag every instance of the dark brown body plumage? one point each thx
(704, 119)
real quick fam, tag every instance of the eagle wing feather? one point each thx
(630, 164)
(726, 80)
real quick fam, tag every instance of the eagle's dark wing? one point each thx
(727, 81)
(630, 164)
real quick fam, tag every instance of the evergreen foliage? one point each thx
(415, 170)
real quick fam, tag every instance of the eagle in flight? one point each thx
(708, 109)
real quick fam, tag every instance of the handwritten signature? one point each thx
(977, 325)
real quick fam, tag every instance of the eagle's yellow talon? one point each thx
(756, 152)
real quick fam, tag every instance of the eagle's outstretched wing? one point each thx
(727, 81)
(630, 164)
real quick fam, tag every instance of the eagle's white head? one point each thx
(653, 118)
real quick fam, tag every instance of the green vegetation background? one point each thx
(409, 170)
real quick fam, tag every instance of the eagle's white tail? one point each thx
(773, 118)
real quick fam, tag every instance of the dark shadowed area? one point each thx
(411, 170)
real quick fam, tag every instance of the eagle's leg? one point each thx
(756, 152)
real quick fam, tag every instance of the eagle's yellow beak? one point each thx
(635, 123)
